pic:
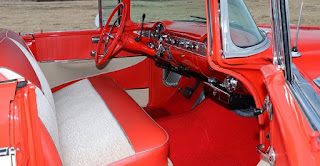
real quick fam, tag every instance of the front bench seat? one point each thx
(92, 121)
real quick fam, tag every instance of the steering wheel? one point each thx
(110, 48)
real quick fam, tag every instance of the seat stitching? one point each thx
(6, 36)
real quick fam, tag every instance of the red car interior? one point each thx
(148, 140)
(93, 120)
(188, 133)
(212, 133)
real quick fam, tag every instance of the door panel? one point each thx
(69, 45)
(58, 73)
(64, 47)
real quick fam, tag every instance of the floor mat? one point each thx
(157, 112)
(175, 104)
(211, 135)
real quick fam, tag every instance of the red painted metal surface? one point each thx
(7, 91)
(19, 118)
(290, 133)
(308, 46)
(26, 120)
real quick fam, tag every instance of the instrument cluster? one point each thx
(185, 44)
(159, 37)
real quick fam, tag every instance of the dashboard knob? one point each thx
(152, 34)
(181, 43)
(188, 45)
(194, 46)
(172, 41)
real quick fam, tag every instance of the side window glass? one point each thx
(30, 16)
(107, 8)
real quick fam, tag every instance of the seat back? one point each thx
(16, 56)
(17, 61)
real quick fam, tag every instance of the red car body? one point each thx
(288, 132)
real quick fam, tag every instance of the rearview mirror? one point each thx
(97, 21)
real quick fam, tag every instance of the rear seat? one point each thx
(90, 122)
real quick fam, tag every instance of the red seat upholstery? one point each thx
(148, 139)
(12, 57)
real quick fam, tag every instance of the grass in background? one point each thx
(77, 15)
(50, 16)
(167, 10)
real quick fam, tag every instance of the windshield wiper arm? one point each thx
(201, 18)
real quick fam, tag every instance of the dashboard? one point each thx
(179, 43)
(182, 48)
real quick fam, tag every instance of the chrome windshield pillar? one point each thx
(280, 26)
(100, 13)
(229, 9)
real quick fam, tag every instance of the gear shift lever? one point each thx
(138, 39)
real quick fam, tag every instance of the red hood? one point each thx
(309, 47)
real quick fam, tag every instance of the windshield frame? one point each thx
(231, 50)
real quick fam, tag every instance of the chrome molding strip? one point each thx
(67, 61)
(210, 39)
(80, 60)
(317, 81)
(285, 25)
(278, 57)
(307, 98)
(100, 13)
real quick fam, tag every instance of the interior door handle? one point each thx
(95, 39)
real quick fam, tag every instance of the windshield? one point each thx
(243, 30)
(178, 10)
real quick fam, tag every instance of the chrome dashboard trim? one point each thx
(187, 45)
(181, 43)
